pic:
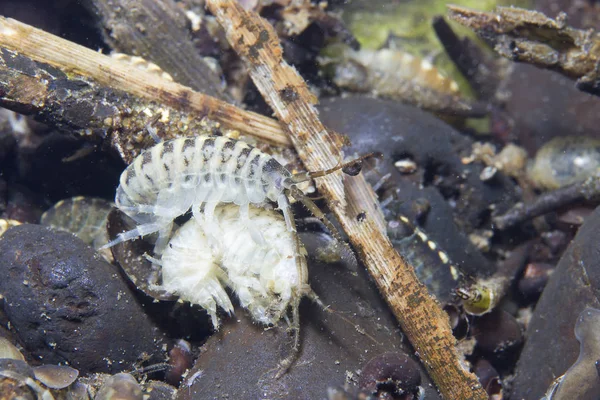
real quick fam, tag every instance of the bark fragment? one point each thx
(531, 37)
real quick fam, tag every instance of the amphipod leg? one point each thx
(302, 271)
(286, 363)
(210, 226)
(255, 234)
(346, 251)
(164, 235)
(141, 230)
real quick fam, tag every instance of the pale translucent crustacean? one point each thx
(267, 269)
(264, 277)
(198, 173)
(85, 217)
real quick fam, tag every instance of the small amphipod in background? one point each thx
(85, 217)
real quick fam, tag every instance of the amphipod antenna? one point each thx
(351, 168)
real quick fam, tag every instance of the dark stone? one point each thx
(180, 361)
(23, 204)
(68, 305)
(497, 332)
(534, 279)
(459, 201)
(394, 373)
(551, 347)
(240, 361)
(488, 376)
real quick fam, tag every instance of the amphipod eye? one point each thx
(353, 169)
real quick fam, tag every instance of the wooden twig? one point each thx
(483, 73)
(587, 190)
(420, 316)
(75, 59)
(157, 31)
(530, 36)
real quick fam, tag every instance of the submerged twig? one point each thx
(531, 37)
(73, 59)
(483, 74)
(420, 317)
(550, 201)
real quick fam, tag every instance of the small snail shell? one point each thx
(565, 160)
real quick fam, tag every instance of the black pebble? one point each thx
(69, 305)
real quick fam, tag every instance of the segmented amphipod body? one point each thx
(198, 173)
(85, 217)
(267, 277)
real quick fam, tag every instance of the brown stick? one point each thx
(550, 201)
(72, 58)
(420, 316)
(530, 36)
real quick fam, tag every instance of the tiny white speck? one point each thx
(426, 65)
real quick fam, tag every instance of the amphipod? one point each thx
(268, 277)
(198, 173)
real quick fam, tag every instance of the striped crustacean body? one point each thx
(174, 176)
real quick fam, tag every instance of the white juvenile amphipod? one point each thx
(266, 277)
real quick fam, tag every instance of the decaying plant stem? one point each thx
(420, 316)
(74, 104)
(530, 36)
(588, 189)
(71, 58)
